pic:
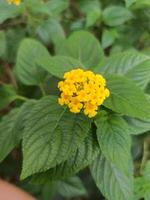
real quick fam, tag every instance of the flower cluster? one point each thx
(16, 2)
(83, 90)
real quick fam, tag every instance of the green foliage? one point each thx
(89, 52)
(7, 95)
(72, 187)
(78, 160)
(11, 126)
(2, 43)
(92, 11)
(26, 68)
(126, 98)
(54, 144)
(111, 181)
(39, 42)
(116, 15)
(132, 64)
(58, 65)
(114, 140)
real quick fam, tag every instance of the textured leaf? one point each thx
(72, 187)
(26, 68)
(58, 65)
(82, 157)
(2, 44)
(113, 184)
(83, 46)
(142, 184)
(130, 2)
(132, 64)
(127, 98)
(50, 135)
(51, 31)
(7, 95)
(57, 6)
(116, 15)
(137, 126)
(92, 10)
(8, 11)
(114, 139)
(7, 139)
(109, 37)
(11, 128)
(140, 74)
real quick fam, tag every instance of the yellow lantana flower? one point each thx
(83, 90)
(16, 2)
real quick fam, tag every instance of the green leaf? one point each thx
(92, 10)
(2, 44)
(137, 126)
(116, 15)
(7, 139)
(37, 8)
(8, 11)
(114, 139)
(142, 184)
(109, 37)
(113, 184)
(140, 74)
(58, 65)
(72, 187)
(132, 64)
(130, 2)
(51, 31)
(84, 47)
(53, 133)
(11, 128)
(57, 6)
(7, 95)
(26, 68)
(126, 98)
(138, 4)
(14, 36)
(82, 157)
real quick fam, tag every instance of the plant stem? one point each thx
(22, 98)
(145, 154)
(42, 89)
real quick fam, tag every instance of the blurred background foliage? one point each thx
(119, 26)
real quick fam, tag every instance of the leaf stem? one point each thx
(145, 154)
(22, 98)
(42, 89)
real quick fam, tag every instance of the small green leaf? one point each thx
(92, 10)
(51, 31)
(26, 68)
(72, 187)
(57, 6)
(7, 95)
(126, 98)
(58, 65)
(11, 128)
(116, 15)
(109, 37)
(84, 47)
(113, 184)
(130, 2)
(114, 139)
(53, 133)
